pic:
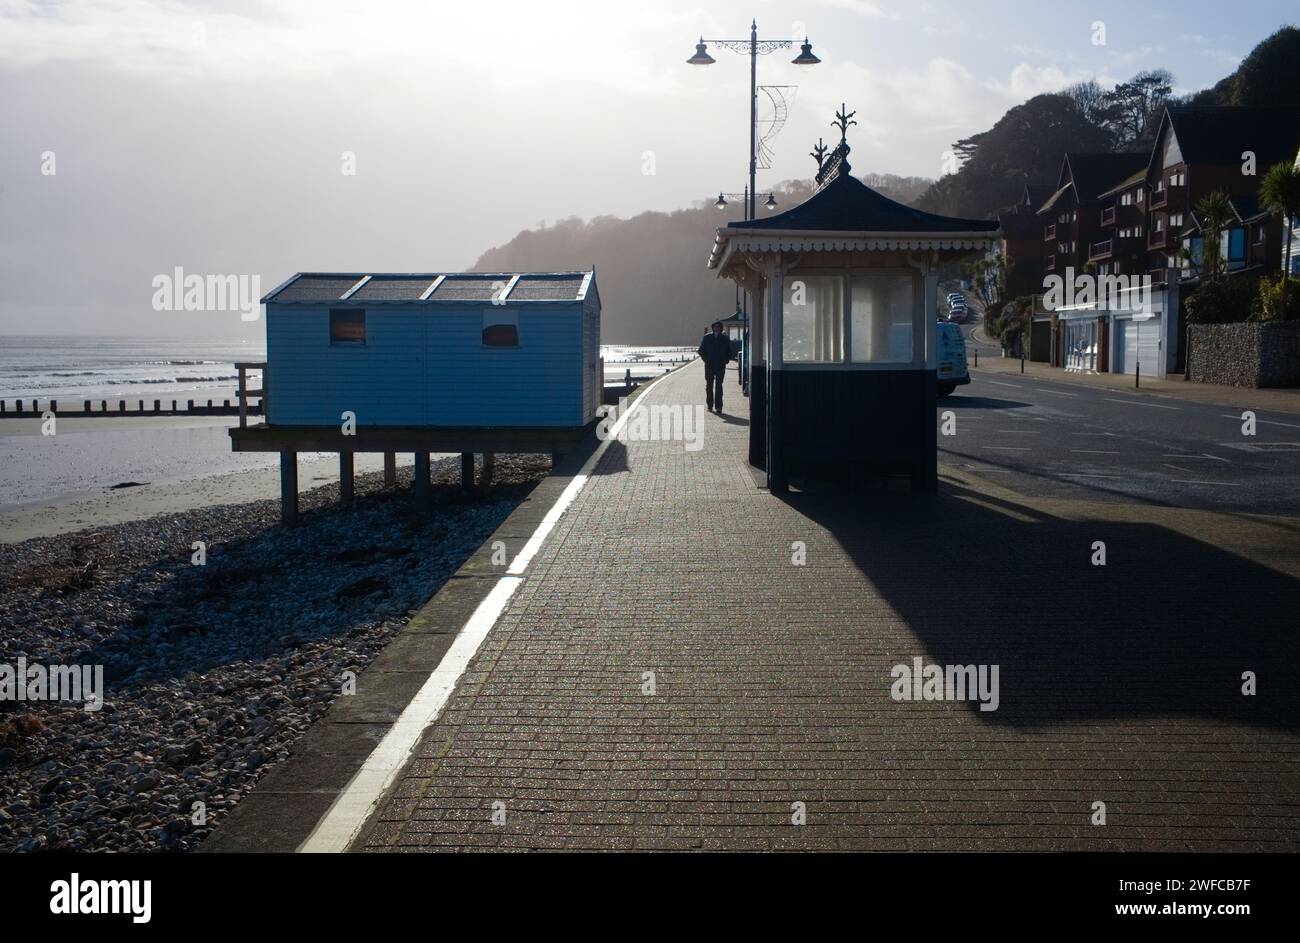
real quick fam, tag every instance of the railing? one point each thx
(1049, 233)
(1050, 264)
(245, 394)
(1159, 199)
(1158, 239)
(1108, 216)
(1159, 276)
(1100, 250)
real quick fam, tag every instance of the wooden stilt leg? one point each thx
(423, 494)
(489, 467)
(346, 484)
(467, 470)
(390, 468)
(289, 488)
(556, 458)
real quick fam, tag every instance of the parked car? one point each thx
(958, 315)
(952, 371)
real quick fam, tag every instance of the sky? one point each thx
(265, 137)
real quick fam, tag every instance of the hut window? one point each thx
(812, 319)
(881, 314)
(500, 328)
(347, 326)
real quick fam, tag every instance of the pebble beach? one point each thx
(211, 672)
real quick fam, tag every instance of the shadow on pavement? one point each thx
(1167, 627)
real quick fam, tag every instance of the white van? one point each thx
(952, 371)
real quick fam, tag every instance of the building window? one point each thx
(347, 326)
(881, 314)
(500, 328)
(1141, 194)
(1126, 200)
(812, 319)
(1175, 220)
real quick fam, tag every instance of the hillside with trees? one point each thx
(651, 267)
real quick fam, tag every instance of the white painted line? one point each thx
(1190, 455)
(1052, 392)
(1067, 475)
(1133, 402)
(352, 807)
(1266, 422)
(1178, 468)
(1113, 435)
(1093, 452)
(1020, 431)
(1012, 385)
(1003, 448)
(1226, 484)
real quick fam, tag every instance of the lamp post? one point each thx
(742, 301)
(754, 47)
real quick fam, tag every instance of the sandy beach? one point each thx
(66, 482)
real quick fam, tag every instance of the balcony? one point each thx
(1101, 250)
(1159, 199)
(1049, 233)
(1108, 216)
(1050, 264)
(1159, 276)
(1158, 240)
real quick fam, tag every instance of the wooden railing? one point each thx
(1108, 216)
(1159, 198)
(245, 394)
(1157, 240)
(1049, 233)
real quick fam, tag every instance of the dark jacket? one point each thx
(715, 350)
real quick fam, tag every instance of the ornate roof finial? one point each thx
(818, 153)
(843, 118)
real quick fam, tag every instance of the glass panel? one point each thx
(347, 326)
(501, 328)
(812, 319)
(882, 312)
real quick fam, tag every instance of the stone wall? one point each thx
(1252, 353)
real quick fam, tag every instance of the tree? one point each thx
(1279, 192)
(1131, 108)
(1216, 215)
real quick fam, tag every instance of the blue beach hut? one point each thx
(431, 362)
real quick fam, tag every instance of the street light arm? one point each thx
(743, 46)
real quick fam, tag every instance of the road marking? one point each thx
(1226, 484)
(1012, 385)
(1003, 448)
(352, 807)
(1190, 455)
(1266, 422)
(1133, 402)
(1113, 435)
(1093, 452)
(1067, 475)
(1052, 392)
(1020, 431)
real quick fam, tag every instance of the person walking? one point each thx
(715, 351)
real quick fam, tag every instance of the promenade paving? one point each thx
(771, 703)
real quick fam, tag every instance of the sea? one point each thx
(73, 369)
(90, 455)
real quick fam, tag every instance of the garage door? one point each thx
(1138, 341)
